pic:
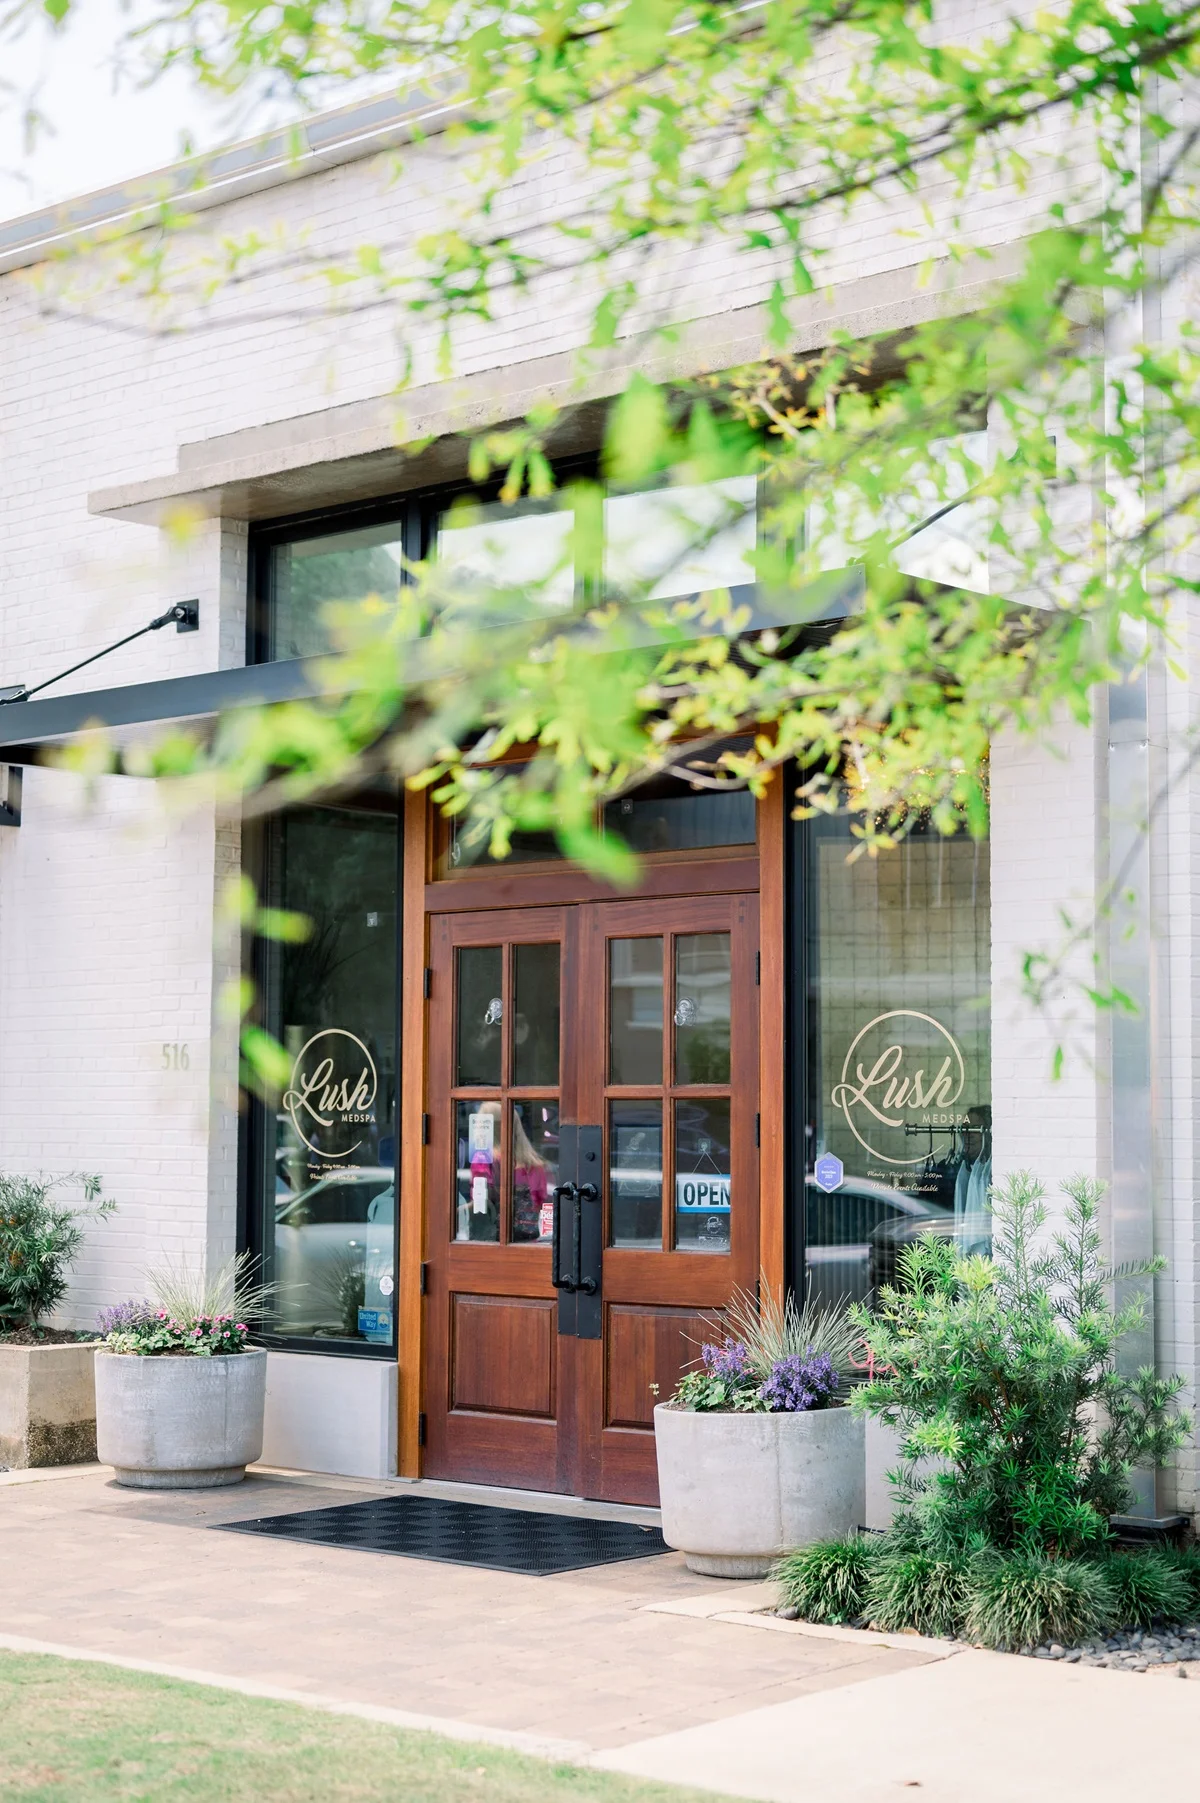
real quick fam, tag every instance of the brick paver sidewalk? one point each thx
(584, 1658)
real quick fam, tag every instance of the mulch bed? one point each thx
(42, 1336)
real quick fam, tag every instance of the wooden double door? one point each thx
(592, 1179)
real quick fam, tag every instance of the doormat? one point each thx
(463, 1533)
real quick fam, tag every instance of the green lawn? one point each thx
(72, 1732)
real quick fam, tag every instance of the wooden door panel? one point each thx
(502, 1355)
(515, 1450)
(703, 1283)
(646, 1352)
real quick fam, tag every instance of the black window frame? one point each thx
(259, 855)
(416, 512)
(800, 1018)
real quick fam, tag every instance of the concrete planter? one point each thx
(47, 1405)
(179, 1423)
(739, 1490)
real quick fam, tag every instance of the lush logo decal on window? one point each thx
(903, 1069)
(332, 1091)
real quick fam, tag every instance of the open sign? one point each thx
(707, 1193)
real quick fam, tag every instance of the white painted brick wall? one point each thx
(106, 958)
(107, 943)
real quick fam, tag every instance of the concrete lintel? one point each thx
(356, 451)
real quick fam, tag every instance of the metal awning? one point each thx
(28, 727)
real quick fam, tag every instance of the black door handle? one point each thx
(572, 1195)
(587, 1192)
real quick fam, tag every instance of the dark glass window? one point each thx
(669, 813)
(325, 1207)
(470, 845)
(895, 953)
(309, 577)
(666, 814)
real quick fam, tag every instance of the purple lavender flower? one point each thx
(729, 1361)
(801, 1381)
(124, 1317)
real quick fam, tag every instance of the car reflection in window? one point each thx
(853, 1236)
(335, 1258)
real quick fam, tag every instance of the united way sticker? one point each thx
(829, 1172)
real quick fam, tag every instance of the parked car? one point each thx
(852, 1235)
(335, 1256)
(973, 1233)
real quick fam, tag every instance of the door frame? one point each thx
(424, 895)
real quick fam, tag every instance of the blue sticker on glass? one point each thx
(375, 1323)
(829, 1172)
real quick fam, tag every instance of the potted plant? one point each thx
(47, 1389)
(757, 1453)
(179, 1389)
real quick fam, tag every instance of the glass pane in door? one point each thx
(635, 984)
(480, 998)
(702, 1008)
(702, 1174)
(535, 1169)
(477, 1170)
(635, 1154)
(536, 1015)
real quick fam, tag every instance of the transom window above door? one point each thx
(665, 812)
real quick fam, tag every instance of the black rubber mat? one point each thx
(463, 1533)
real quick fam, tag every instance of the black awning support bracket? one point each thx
(184, 615)
(10, 794)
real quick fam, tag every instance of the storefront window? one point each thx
(309, 576)
(895, 954)
(691, 539)
(326, 1208)
(512, 550)
(498, 561)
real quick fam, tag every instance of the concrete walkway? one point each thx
(639, 1667)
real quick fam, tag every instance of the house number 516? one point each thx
(175, 1057)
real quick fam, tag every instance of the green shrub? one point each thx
(39, 1239)
(1022, 1599)
(911, 1589)
(1186, 1561)
(994, 1370)
(1146, 1587)
(828, 1582)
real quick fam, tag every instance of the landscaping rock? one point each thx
(1169, 1649)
